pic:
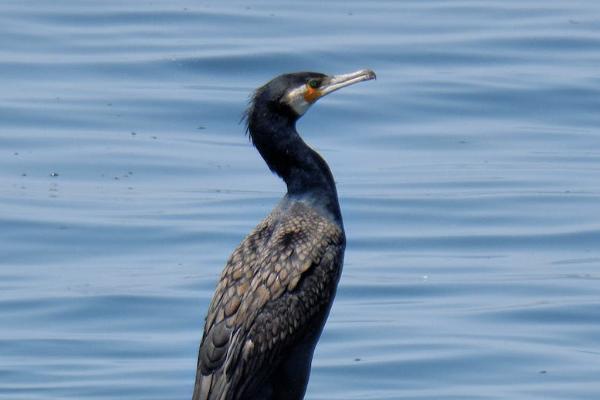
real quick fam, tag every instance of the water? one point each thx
(469, 177)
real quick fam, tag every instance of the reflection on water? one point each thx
(468, 175)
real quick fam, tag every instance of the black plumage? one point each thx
(276, 290)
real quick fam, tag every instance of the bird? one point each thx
(276, 290)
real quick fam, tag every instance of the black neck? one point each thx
(304, 171)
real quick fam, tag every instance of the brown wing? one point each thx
(273, 285)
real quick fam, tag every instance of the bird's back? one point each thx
(269, 307)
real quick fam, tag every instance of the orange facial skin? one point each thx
(311, 95)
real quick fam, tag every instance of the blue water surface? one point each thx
(468, 174)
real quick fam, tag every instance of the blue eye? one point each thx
(313, 83)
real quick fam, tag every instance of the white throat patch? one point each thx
(295, 99)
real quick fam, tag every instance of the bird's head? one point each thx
(293, 94)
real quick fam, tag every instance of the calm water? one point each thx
(469, 177)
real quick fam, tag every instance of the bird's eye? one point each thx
(313, 83)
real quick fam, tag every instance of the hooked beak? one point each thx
(339, 81)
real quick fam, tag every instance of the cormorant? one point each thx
(275, 292)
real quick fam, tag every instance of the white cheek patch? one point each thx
(295, 99)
